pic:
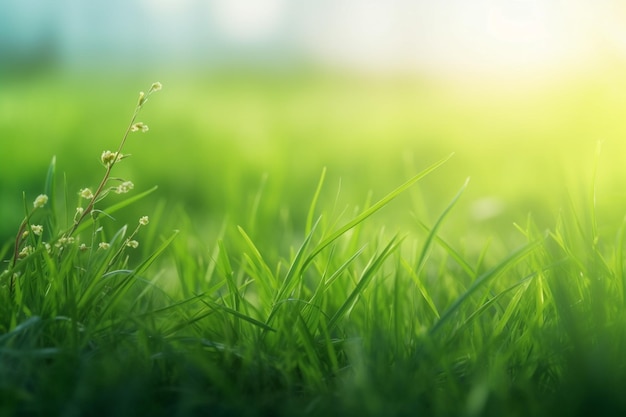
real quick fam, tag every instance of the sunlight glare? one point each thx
(248, 20)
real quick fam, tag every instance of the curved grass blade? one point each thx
(50, 190)
(509, 261)
(373, 209)
(365, 279)
(215, 306)
(318, 190)
(433, 232)
(118, 291)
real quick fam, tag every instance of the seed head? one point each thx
(40, 201)
(124, 187)
(108, 158)
(142, 98)
(139, 126)
(86, 193)
(27, 250)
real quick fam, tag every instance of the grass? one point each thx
(323, 310)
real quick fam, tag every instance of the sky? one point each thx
(485, 37)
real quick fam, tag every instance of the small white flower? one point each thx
(79, 210)
(37, 229)
(64, 241)
(109, 158)
(86, 193)
(144, 220)
(124, 187)
(157, 86)
(103, 245)
(82, 247)
(139, 126)
(27, 250)
(40, 201)
(132, 244)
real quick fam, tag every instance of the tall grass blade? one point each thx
(50, 191)
(373, 209)
(215, 306)
(366, 277)
(433, 232)
(495, 271)
(311, 213)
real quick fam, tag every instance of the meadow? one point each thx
(318, 244)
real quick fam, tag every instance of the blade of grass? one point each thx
(118, 291)
(50, 190)
(371, 210)
(366, 277)
(433, 232)
(239, 315)
(318, 190)
(294, 268)
(495, 271)
(257, 259)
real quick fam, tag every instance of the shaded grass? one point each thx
(350, 323)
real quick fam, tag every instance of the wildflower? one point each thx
(27, 250)
(82, 247)
(79, 210)
(124, 187)
(132, 244)
(144, 220)
(103, 245)
(40, 201)
(64, 241)
(139, 126)
(156, 86)
(37, 229)
(108, 158)
(47, 246)
(86, 193)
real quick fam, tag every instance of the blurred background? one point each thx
(260, 95)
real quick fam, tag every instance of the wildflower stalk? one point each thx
(127, 242)
(109, 160)
(132, 126)
(39, 202)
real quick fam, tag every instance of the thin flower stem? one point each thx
(122, 247)
(18, 240)
(107, 174)
(92, 201)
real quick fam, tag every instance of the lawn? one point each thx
(317, 245)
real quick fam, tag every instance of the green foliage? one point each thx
(338, 316)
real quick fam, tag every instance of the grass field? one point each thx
(315, 247)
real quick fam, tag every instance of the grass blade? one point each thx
(373, 209)
(365, 279)
(502, 266)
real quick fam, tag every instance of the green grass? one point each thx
(264, 285)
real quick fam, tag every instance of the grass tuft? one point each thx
(141, 320)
